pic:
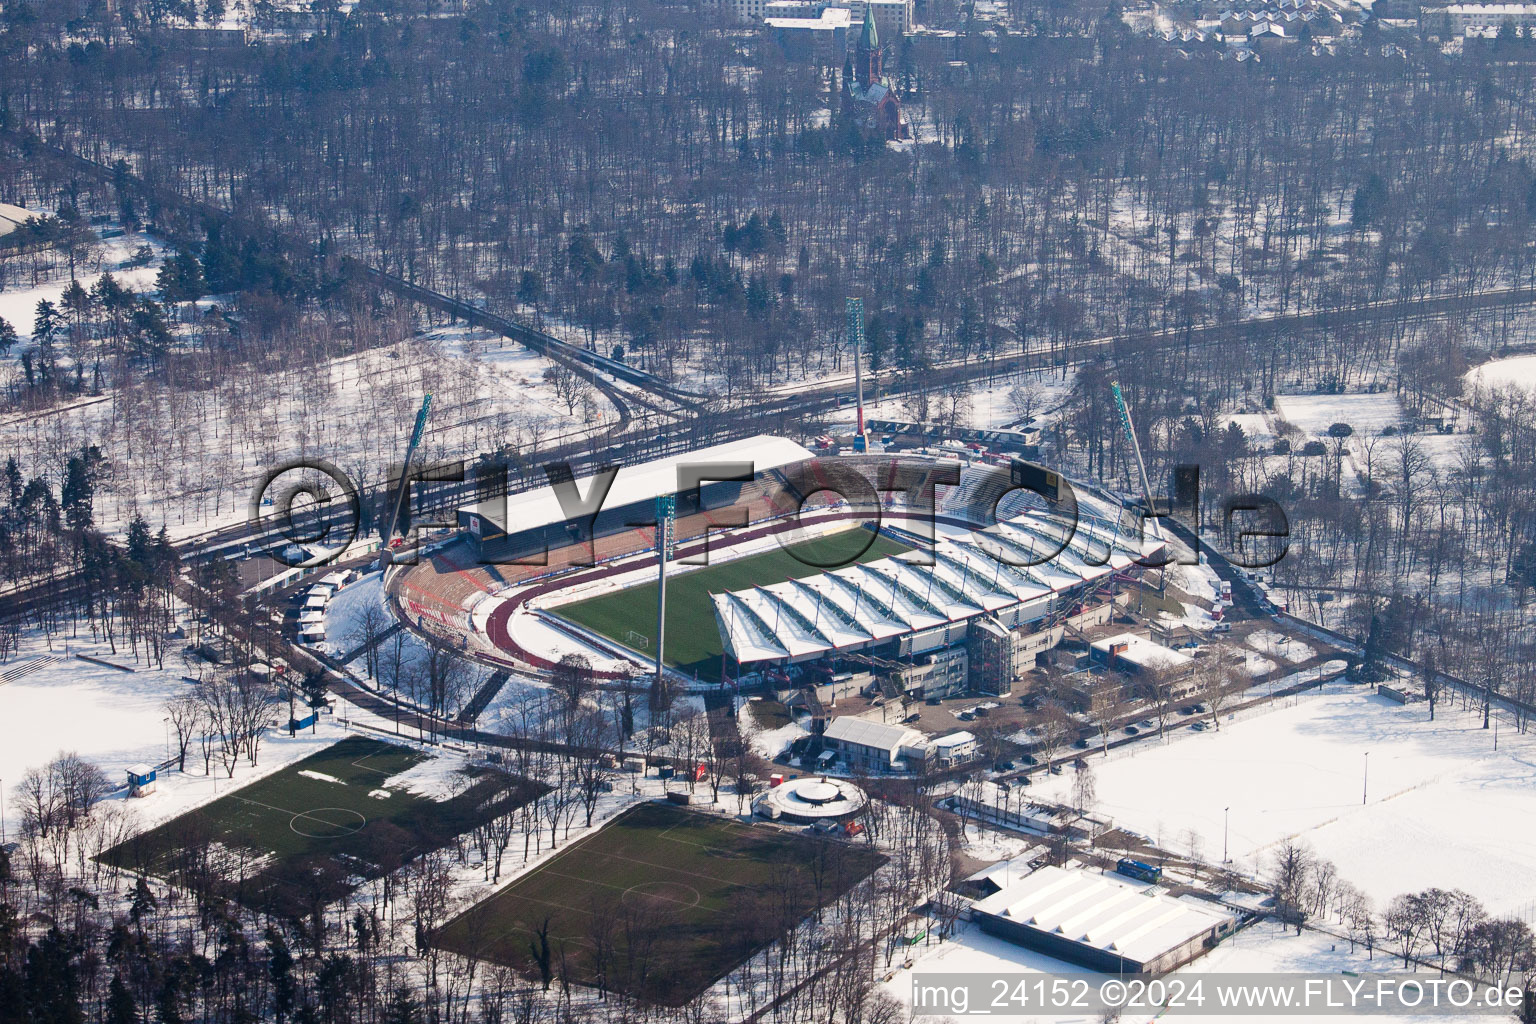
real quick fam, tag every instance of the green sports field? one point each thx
(307, 835)
(662, 901)
(628, 616)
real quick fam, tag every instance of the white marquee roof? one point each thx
(1101, 912)
(976, 571)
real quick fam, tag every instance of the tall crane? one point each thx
(387, 527)
(1141, 465)
(855, 309)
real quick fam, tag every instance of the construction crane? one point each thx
(1141, 466)
(387, 527)
(856, 342)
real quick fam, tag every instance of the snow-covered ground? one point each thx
(1515, 371)
(55, 702)
(190, 460)
(767, 743)
(1263, 949)
(981, 406)
(344, 633)
(1314, 414)
(1442, 807)
(115, 719)
(1277, 645)
(18, 304)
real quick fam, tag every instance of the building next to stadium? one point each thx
(1102, 923)
(540, 523)
(996, 575)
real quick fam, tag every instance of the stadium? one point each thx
(930, 575)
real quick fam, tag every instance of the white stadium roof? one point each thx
(13, 217)
(642, 482)
(1101, 913)
(860, 605)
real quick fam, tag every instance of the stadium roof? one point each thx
(1101, 913)
(976, 571)
(642, 482)
(13, 217)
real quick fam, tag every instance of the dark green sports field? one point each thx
(304, 836)
(693, 639)
(661, 902)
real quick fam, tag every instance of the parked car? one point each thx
(1055, 769)
(1186, 710)
(1198, 727)
(1081, 744)
(1131, 730)
(1146, 723)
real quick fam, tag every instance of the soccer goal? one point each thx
(639, 641)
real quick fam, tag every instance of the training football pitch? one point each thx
(309, 834)
(628, 616)
(661, 902)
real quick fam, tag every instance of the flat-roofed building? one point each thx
(867, 744)
(1102, 923)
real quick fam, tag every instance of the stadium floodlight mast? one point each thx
(855, 311)
(666, 518)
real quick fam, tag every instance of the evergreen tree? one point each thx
(121, 1008)
(8, 336)
(402, 1008)
(45, 322)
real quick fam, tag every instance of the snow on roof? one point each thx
(1492, 10)
(141, 769)
(13, 217)
(953, 739)
(829, 20)
(1141, 652)
(976, 571)
(642, 482)
(1101, 912)
(866, 733)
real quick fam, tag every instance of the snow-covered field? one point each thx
(1264, 949)
(1314, 414)
(55, 702)
(116, 719)
(1442, 807)
(1515, 371)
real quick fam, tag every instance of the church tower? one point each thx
(867, 53)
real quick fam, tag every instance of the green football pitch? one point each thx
(310, 833)
(628, 616)
(660, 902)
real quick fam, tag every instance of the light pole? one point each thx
(167, 723)
(1226, 832)
(1365, 785)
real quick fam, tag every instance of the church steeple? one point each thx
(869, 39)
(868, 50)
